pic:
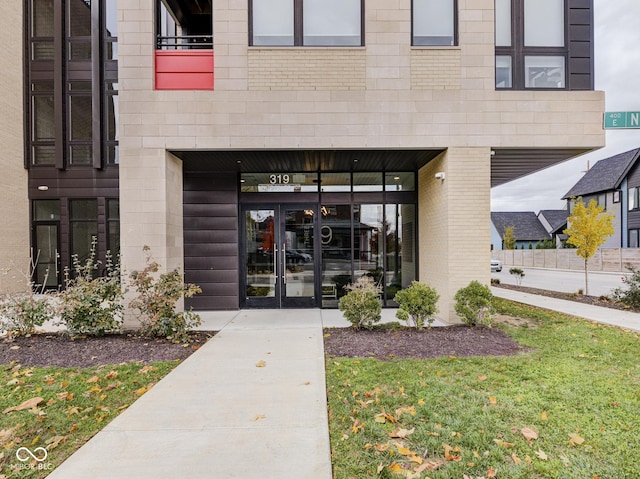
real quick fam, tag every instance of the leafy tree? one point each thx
(509, 238)
(588, 228)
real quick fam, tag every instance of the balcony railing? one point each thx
(184, 42)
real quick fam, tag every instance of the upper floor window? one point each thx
(530, 38)
(435, 22)
(634, 198)
(183, 25)
(306, 23)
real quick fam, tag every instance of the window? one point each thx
(634, 198)
(306, 23)
(531, 49)
(184, 28)
(434, 22)
(634, 238)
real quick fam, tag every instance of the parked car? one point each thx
(496, 265)
(297, 257)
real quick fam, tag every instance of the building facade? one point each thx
(275, 150)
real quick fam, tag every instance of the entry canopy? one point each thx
(507, 164)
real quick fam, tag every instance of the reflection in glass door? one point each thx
(279, 252)
(46, 256)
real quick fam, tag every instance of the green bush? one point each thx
(361, 305)
(92, 305)
(156, 301)
(417, 304)
(495, 281)
(21, 313)
(474, 304)
(629, 296)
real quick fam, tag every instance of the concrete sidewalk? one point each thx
(218, 415)
(614, 317)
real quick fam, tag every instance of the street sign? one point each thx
(622, 119)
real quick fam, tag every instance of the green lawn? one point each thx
(568, 408)
(72, 406)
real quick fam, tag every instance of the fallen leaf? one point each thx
(259, 417)
(405, 451)
(28, 404)
(405, 410)
(381, 447)
(493, 400)
(541, 455)
(55, 442)
(515, 458)
(429, 466)
(141, 391)
(491, 472)
(73, 427)
(401, 433)
(451, 453)
(482, 377)
(380, 468)
(111, 375)
(93, 379)
(415, 458)
(396, 468)
(575, 439)
(261, 364)
(529, 434)
(147, 369)
(544, 416)
(421, 402)
(504, 444)
(65, 396)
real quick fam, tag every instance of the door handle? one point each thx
(284, 263)
(275, 270)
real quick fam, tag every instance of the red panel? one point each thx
(184, 70)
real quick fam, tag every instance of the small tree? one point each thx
(418, 303)
(474, 304)
(588, 228)
(509, 239)
(361, 305)
(518, 274)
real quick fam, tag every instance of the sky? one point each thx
(617, 72)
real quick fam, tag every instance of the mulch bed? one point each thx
(580, 298)
(386, 344)
(57, 349)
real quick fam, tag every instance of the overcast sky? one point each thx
(617, 72)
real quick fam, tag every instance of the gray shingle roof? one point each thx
(605, 175)
(526, 225)
(556, 218)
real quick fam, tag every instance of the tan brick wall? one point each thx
(435, 69)
(306, 69)
(453, 223)
(14, 212)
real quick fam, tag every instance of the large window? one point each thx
(634, 198)
(306, 23)
(83, 224)
(634, 237)
(531, 49)
(434, 22)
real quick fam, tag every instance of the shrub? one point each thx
(629, 296)
(474, 304)
(21, 313)
(418, 304)
(495, 281)
(156, 300)
(361, 305)
(92, 305)
(518, 274)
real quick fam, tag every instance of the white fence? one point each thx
(609, 259)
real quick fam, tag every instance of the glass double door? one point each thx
(279, 256)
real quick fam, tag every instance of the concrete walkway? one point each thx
(218, 415)
(614, 317)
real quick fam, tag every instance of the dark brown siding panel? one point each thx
(210, 204)
(580, 45)
(634, 220)
(633, 179)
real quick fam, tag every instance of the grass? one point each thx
(75, 405)
(568, 408)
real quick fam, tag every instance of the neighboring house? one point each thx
(121, 124)
(615, 184)
(555, 222)
(527, 229)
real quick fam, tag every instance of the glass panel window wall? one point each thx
(84, 227)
